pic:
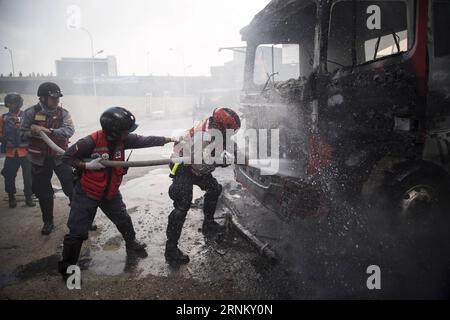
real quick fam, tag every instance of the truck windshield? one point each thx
(279, 62)
(280, 45)
(363, 31)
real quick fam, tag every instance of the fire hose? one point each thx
(263, 248)
(110, 163)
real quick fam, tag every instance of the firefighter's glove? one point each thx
(94, 164)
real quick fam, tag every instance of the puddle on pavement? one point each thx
(149, 208)
(47, 265)
(104, 253)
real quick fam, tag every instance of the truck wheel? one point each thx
(419, 201)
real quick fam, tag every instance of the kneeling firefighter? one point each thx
(98, 186)
(186, 175)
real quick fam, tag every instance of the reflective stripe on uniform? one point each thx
(174, 169)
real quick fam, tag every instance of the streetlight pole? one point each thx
(92, 57)
(12, 61)
(184, 79)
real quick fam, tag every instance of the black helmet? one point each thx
(116, 120)
(15, 98)
(49, 89)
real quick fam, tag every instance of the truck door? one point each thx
(371, 94)
(437, 147)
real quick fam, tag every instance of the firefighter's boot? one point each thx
(12, 200)
(46, 205)
(209, 209)
(29, 201)
(210, 226)
(70, 254)
(173, 255)
(136, 248)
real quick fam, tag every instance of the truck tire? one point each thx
(419, 202)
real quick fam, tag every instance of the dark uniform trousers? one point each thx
(181, 193)
(10, 169)
(83, 210)
(82, 214)
(42, 184)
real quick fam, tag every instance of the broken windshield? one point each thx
(363, 31)
(280, 48)
(276, 62)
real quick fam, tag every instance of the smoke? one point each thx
(158, 37)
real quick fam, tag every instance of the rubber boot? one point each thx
(46, 205)
(136, 248)
(210, 226)
(209, 209)
(12, 200)
(29, 201)
(70, 254)
(174, 256)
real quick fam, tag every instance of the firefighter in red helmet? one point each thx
(185, 176)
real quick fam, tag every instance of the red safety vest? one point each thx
(39, 146)
(104, 183)
(202, 126)
(197, 169)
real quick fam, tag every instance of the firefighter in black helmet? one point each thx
(98, 187)
(15, 149)
(49, 117)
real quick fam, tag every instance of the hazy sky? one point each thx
(37, 33)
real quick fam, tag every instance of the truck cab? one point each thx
(360, 93)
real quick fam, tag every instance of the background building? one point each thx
(85, 67)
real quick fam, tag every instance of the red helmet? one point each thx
(226, 118)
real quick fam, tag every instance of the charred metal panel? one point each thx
(437, 146)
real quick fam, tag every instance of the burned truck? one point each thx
(360, 93)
